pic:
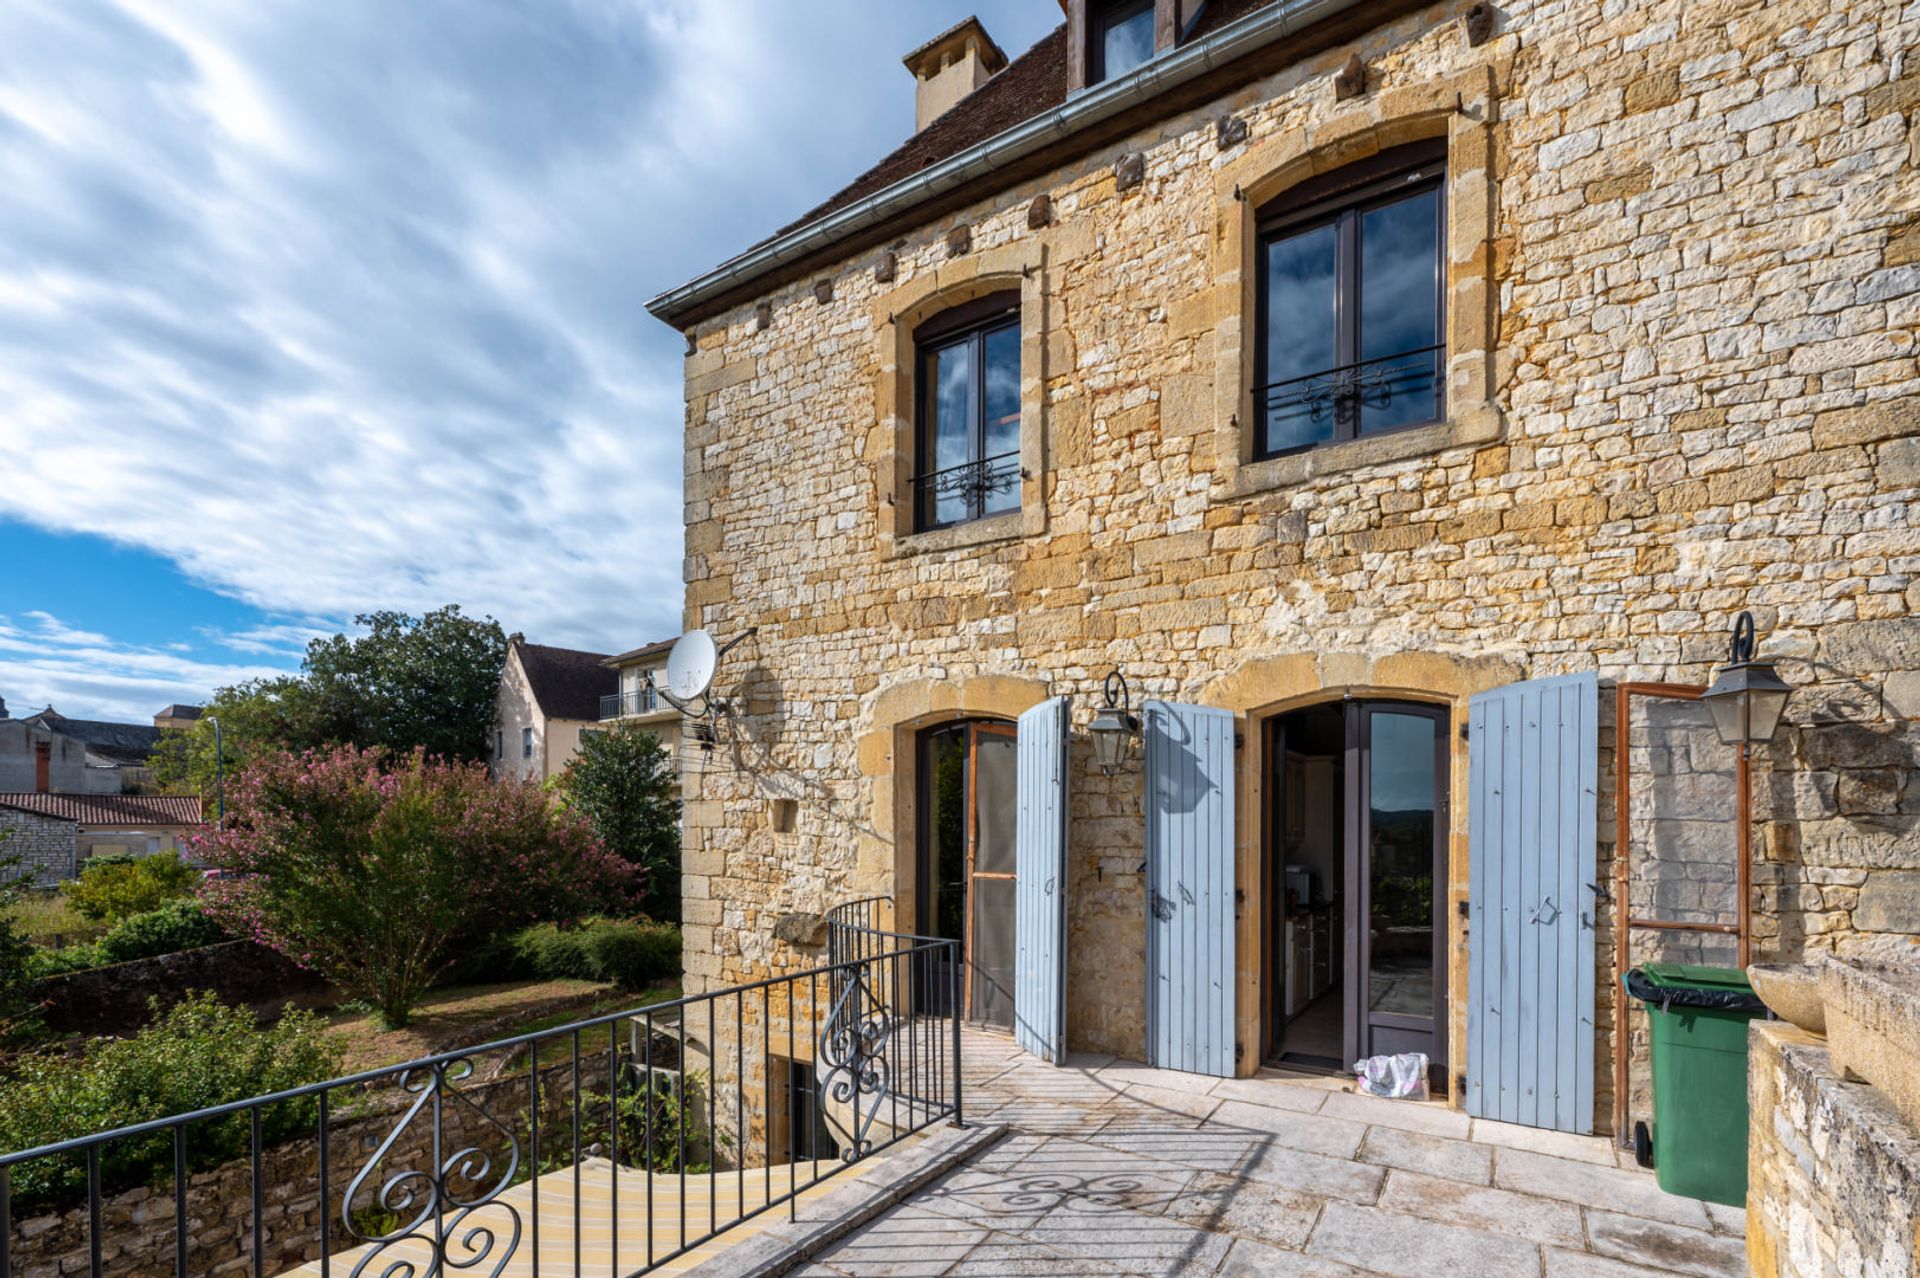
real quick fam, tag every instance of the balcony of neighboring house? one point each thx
(642, 704)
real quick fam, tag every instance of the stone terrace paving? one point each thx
(1115, 1168)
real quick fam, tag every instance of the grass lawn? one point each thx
(43, 917)
(462, 1015)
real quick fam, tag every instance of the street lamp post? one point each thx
(219, 776)
(1114, 727)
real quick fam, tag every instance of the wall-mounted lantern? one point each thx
(1114, 726)
(1747, 697)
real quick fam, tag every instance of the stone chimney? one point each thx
(949, 67)
(42, 766)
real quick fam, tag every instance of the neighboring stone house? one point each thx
(1088, 375)
(548, 697)
(57, 833)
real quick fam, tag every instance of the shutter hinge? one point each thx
(1239, 1049)
(1239, 740)
(1463, 731)
(1460, 1083)
(1465, 907)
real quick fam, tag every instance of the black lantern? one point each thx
(1747, 696)
(1114, 725)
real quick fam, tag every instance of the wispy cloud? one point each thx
(92, 676)
(339, 304)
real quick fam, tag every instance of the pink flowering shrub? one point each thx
(374, 869)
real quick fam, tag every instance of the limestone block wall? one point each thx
(1691, 245)
(1833, 1171)
(44, 845)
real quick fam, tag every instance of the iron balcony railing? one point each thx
(639, 701)
(607, 1145)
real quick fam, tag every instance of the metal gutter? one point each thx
(1081, 111)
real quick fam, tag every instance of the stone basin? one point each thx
(1873, 1028)
(1791, 992)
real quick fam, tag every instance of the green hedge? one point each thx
(113, 888)
(175, 926)
(632, 953)
(200, 1054)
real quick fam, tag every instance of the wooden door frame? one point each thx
(977, 728)
(1358, 941)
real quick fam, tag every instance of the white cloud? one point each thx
(91, 676)
(340, 305)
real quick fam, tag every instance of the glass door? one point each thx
(1396, 853)
(968, 813)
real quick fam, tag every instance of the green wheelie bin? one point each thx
(1698, 1020)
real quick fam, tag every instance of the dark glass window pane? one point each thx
(950, 433)
(1399, 311)
(1400, 830)
(946, 763)
(1126, 37)
(1301, 338)
(1002, 453)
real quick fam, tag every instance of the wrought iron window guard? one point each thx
(973, 482)
(1340, 392)
(415, 1167)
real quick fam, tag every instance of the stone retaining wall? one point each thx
(114, 999)
(1833, 1171)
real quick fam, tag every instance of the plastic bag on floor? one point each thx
(1400, 1077)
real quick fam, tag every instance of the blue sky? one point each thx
(317, 308)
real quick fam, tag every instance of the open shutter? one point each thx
(1190, 888)
(1040, 886)
(1533, 761)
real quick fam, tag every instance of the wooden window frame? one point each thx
(1339, 199)
(971, 323)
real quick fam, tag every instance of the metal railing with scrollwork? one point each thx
(1332, 404)
(615, 1144)
(954, 494)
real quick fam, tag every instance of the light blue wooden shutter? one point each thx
(1534, 775)
(1040, 889)
(1190, 888)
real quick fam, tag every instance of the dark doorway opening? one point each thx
(967, 813)
(1355, 871)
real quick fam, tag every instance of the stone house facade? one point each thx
(1670, 377)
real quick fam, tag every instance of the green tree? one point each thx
(15, 949)
(408, 683)
(113, 888)
(376, 870)
(622, 781)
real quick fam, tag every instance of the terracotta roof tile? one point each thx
(110, 809)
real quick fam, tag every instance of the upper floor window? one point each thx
(499, 744)
(967, 445)
(526, 743)
(1352, 303)
(1121, 38)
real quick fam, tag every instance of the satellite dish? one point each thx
(691, 665)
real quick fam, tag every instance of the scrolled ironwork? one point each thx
(853, 1047)
(424, 1196)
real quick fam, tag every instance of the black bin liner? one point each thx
(1642, 987)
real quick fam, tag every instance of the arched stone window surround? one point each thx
(1459, 108)
(896, 314)
(885, 859)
